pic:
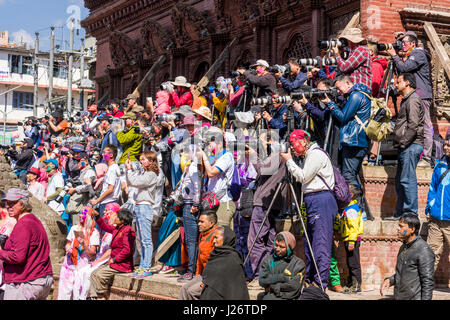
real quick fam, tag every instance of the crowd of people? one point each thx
(209, 167)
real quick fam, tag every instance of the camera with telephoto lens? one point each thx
(3, 238)
(166, 86)
(168, 117)
(314, 93)
(317, 62)
(397, 46)
(324, 44)
(69, 185)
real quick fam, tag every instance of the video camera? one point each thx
(324, 44)
(397, 46)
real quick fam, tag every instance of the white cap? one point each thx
(261, 63)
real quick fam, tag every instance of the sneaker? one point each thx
(185, 277)
(166, 269)
(142, 273)
(423, 164)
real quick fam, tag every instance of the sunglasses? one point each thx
(11, 203)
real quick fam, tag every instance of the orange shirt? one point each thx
(205, 246)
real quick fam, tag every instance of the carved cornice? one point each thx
(155, 38)
(124, 50)
(414, 16)
(92, 4)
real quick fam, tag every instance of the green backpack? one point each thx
(378, 127)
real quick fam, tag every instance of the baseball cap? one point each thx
(15, 194)
(53, 161)
(299, 134)
(33, 170)
(261, 62)
(408, 33)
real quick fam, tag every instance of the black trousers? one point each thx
(353, 262)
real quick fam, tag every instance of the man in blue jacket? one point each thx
(438, 205)
(300, 77)
(353, 140)
(275, 117)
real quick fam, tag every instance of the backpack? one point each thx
(235, 187)
(378, 127)
(341, 190)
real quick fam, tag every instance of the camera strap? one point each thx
(443, 176)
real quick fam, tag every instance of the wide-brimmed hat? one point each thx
(129, 115)
(137, 109)
(353, 34)
(184, 110)
(181, 81)
(204, 112)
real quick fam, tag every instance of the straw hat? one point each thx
(204, 112)
(353, 34)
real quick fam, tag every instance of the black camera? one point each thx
(3, 239)
(234, 74)
(69, 184)
(387, 46)
(324, 44)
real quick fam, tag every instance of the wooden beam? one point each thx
(438, 47)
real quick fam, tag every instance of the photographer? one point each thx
(263, 79)
(109, 137)
(24, 159)
(130, 139)
(57, 124)
(116, 109)
(54, 187)
(416, 61)
(353, 142)
(300, 77)
(320, 114)
(32, 129)
(275, 117)
(183, 94)
(317, 179)
(86, 177)
(358, 65)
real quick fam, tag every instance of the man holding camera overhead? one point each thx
(130, 138)
(295, 71)
(263, 79)
(358, 65)
(416, 61)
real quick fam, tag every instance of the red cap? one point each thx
(299, 135)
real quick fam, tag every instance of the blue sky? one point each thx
(22, 18)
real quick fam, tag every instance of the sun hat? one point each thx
(181, 81)
(353, 34)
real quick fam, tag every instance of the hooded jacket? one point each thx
(413, 278)
(282, 275)
(438, 203)
(418, 64)
(351, 133)
(25, 159)
(132, 143)
(224, 277)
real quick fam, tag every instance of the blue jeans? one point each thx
(143, 214)
(191, 233)
(406, 179)
(352, 158)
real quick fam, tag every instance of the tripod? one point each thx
(389, 74)
(287, 179)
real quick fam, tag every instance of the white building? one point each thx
(17, 83)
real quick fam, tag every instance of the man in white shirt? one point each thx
(111, 188)
(220, 174)
(321, 206)
(54, 187)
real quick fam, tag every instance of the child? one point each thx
(351, 228)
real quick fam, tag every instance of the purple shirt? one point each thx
(26, 256)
